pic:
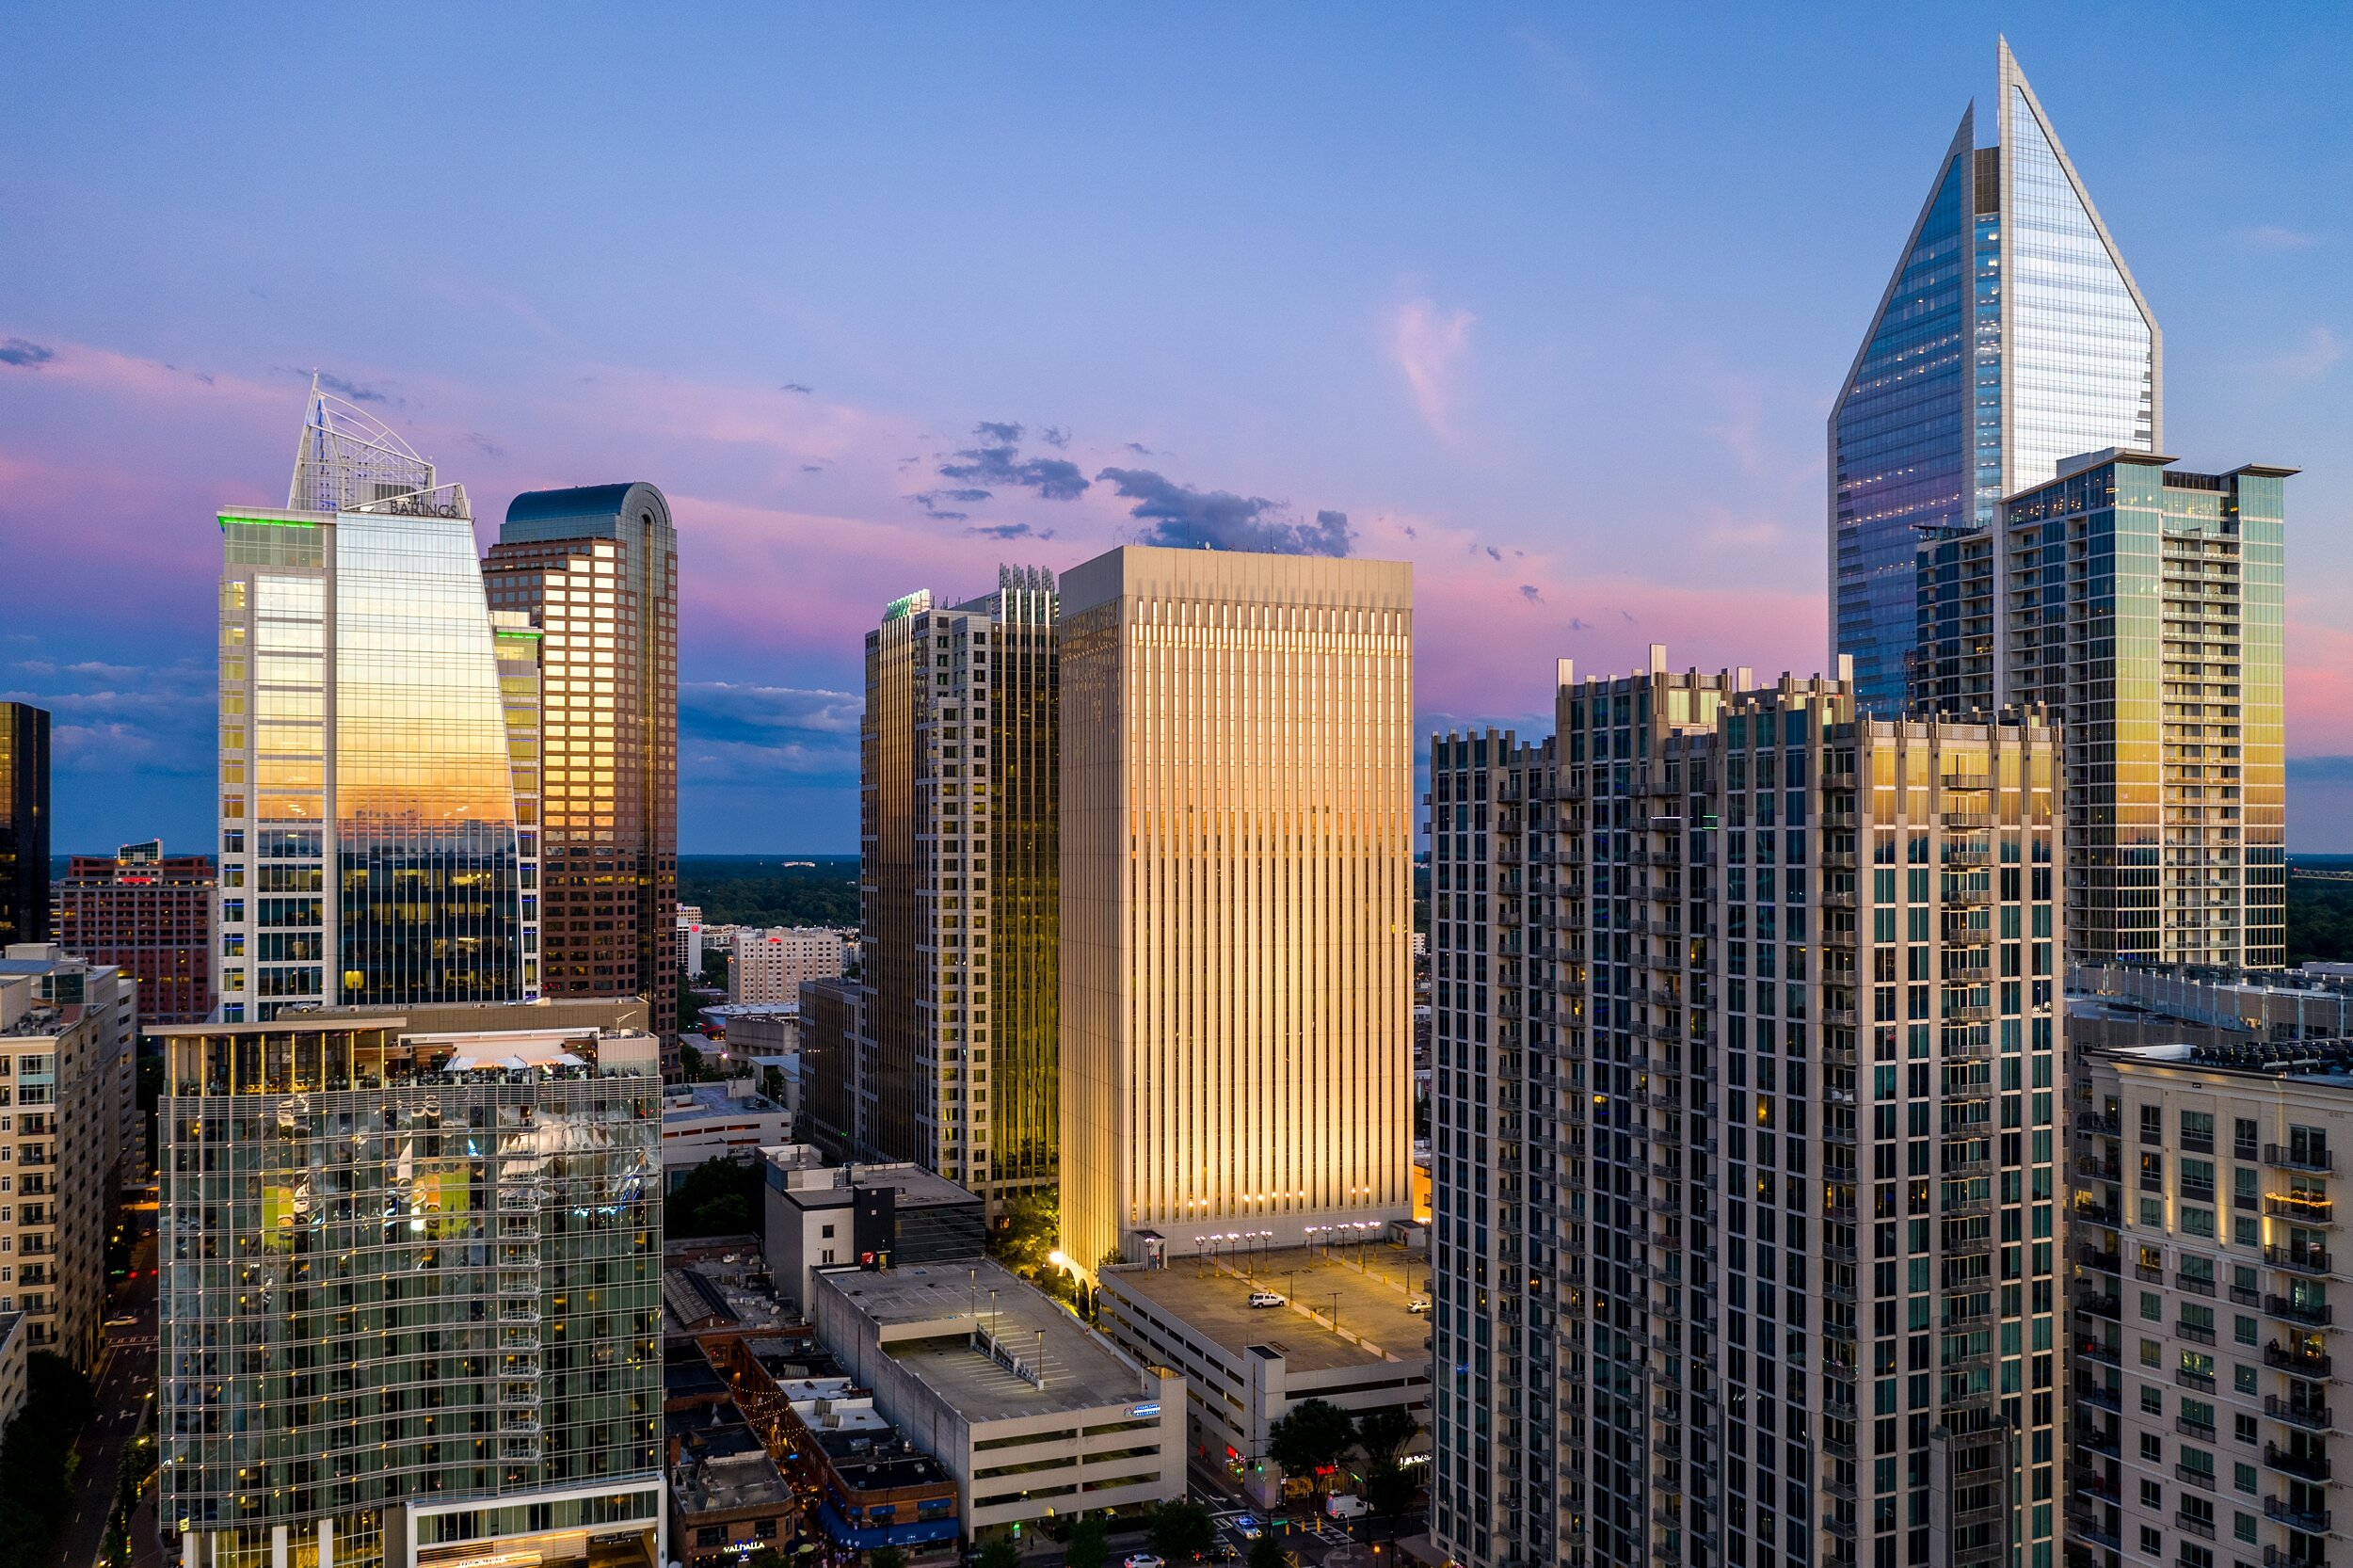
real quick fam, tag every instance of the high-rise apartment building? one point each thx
(69, 1036)
(150, 915)
(1236, 887)
(2142, 607)
(371, 850)
(1746, 1044)
(411, 1295)
(23, 824)
(958, 911)
(594, 572)
(2206, 1277)
(770, 965)
(2011, 336)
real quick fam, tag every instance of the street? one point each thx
(126, 1377)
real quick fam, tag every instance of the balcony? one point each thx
(2197, 1284)
(2289, 1158)
(2091, 1350)
(2304, 1260)
(2203, 1480)
(2191, 1524)
(2305, 1466)
(2312, 1520)
(2303, 1363)
(2100, 1262)
(2202, 1381)
(2106, 1306)
(2202, 1431)
(2311, 1418)
(2105, 1398)
(2316, 1314)
(2300, 1207)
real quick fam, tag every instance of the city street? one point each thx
(126, 1377)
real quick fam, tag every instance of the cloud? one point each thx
(1531, 593)
(483, 445)
(2316, 353)
(1140, 449)
(1055, 435)
(24, 353)
(1183, 517)
(1428, 343)
(732, 731)
(1052, 478)
(354, 392)
(2274, 236)
(930, 500)
(795, 387)
(1008, 531)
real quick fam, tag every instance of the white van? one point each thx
(1265, 1298)
(1340, 1505)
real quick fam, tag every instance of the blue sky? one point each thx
(1551, 301)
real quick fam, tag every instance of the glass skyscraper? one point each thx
(2011, 336)
(371, 847)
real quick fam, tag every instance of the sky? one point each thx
(1550, 301)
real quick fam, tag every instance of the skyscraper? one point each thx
(958, 791)
(1237, 887)
(1746, 1053)
(2011, 336)
(150, 913)
(23, 824)
(594, 573)
(410, 1294)
(2143, 610)
(371, 850)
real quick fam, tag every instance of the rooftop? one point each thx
(2322, 1062)
(828, 1186)
(1214, 1304)
(683, 1106)
(923, 1317)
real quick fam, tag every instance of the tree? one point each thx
(886, 1556)
(1267, 1552)
(772, 1083)
(689, 1006)
(1182, 1530)
(1384, 1433)
(1088, 1546)
(1000, 1553)
(1311, 1440)
(1389, 1492)
(718, 1197)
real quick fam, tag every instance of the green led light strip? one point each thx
(266, 522)
(504, 634)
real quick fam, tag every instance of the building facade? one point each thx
(770, 965)
(1237, 885)
(150, 915)
(2011, 336)
(959, 914)
(370, 846)
(23, 824)
(1746, 1042)
(2143, 607)
(595, 572)
(2207, 1275)
(410, 1296)
(69, 1036)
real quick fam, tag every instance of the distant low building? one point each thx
(150, 915)
(717, 1121)
(1032, 1413)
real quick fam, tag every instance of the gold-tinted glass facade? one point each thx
(594, 571)
(1236, 836)
(958, 791)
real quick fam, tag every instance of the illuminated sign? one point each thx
(902, 608)
(267, 523)
(1144, 1410)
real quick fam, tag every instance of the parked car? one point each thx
(1417, 1304)
(1144, 1559)
(1340, 1505)
(1265, 1298)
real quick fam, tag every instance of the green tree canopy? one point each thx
(1311, 1439)
(1182, 1531)
(1267, 1552)
(1088, 1546)
(1000, 1553)
(1383, 1434)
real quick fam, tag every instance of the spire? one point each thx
(345, 459)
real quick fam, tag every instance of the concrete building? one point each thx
(2114, 1004)
(717, 1121)
(1345, 1333)
(2141, 607)
(727, 1498)
(819, 1217)
(2205, 1278)
(378, 736)
(959, 863)
(1237, 896)
(769, 966)
(479, 1379)
(1032, 1413)
(593, 571)
(1747, 1051)
(13, 1352)
(150, 915)
(69, 1041)
(23, 824)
